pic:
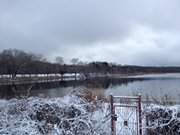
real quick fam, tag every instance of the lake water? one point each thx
(156, 86)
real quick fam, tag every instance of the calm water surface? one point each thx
(156, 86)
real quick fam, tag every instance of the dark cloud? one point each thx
(128, 32)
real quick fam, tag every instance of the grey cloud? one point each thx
(95, 29)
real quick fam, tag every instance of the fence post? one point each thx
(140, 115)
(112, 115)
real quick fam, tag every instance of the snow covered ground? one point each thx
(75, 115)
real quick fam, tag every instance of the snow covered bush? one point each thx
(161, 120)
(70, 115)
(77, 114)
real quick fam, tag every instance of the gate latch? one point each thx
(114, 117)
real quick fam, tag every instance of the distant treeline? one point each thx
(13, 62)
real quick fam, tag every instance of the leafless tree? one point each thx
(14, 60)
(59, 60)
(74, 61)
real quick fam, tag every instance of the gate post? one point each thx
(140, 115)
(112, 115)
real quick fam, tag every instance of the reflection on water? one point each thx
(56, 89)
(156, 86)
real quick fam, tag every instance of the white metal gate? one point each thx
(126, 115)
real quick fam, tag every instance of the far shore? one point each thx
(40, 78)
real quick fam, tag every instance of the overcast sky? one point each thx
(141, 32)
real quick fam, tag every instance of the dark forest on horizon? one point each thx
(13, 62)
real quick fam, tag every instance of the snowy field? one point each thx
(76, 115)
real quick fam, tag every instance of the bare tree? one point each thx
(74, 61)
(14, 60)
(81, 63)
(59, 60)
